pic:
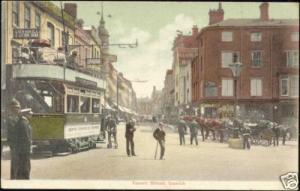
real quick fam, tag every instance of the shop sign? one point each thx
(26, 33)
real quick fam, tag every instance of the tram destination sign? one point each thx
(93, 61)
(85, 82)
(26, 33)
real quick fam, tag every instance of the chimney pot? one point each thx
(195, 30)
(264, 11)
(216, 16)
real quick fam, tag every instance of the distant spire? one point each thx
(102, 19)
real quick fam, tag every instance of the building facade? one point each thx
(184, 50)
(168, 98)
(44, 16)
(268, 83)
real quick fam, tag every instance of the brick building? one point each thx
(269, 51)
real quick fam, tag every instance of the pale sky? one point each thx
(154, 24)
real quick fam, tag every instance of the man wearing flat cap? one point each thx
(19, 139)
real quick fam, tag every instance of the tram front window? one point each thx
(95, 105)
(72, 103)
(84, 105)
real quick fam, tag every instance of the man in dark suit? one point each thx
(112, 131)
(159, 134)
(129, 134)
(181, 131)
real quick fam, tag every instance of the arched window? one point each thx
(51, 34)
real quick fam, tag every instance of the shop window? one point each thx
(72, 103)
(84, 105)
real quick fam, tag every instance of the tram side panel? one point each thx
(65, 132)
(82, 130)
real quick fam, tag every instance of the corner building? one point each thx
(269, 51)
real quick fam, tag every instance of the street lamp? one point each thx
(236, 68)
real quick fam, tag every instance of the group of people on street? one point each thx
(207, 125)
(19, 135)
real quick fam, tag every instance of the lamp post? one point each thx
(236, 68)
(118, 83)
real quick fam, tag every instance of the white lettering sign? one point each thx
(74, 131)
(93, 61)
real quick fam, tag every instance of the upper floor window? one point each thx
(227, 87)
(295, 37)
(229, 58)
(15, 13)
(255, 37)
(256, 59)
(284, 86)
(37, 20)
(289, 85)
(292, 58)
(51, 34)
(294, 80)
(27, 15)
(226, 36)
(256, 87)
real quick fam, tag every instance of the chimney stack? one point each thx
(71, 9)
(264, 11)
(195, 30)
(216, 16)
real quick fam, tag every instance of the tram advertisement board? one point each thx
(82, 130)
(26, 33)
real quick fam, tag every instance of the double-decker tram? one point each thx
(66, 105)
